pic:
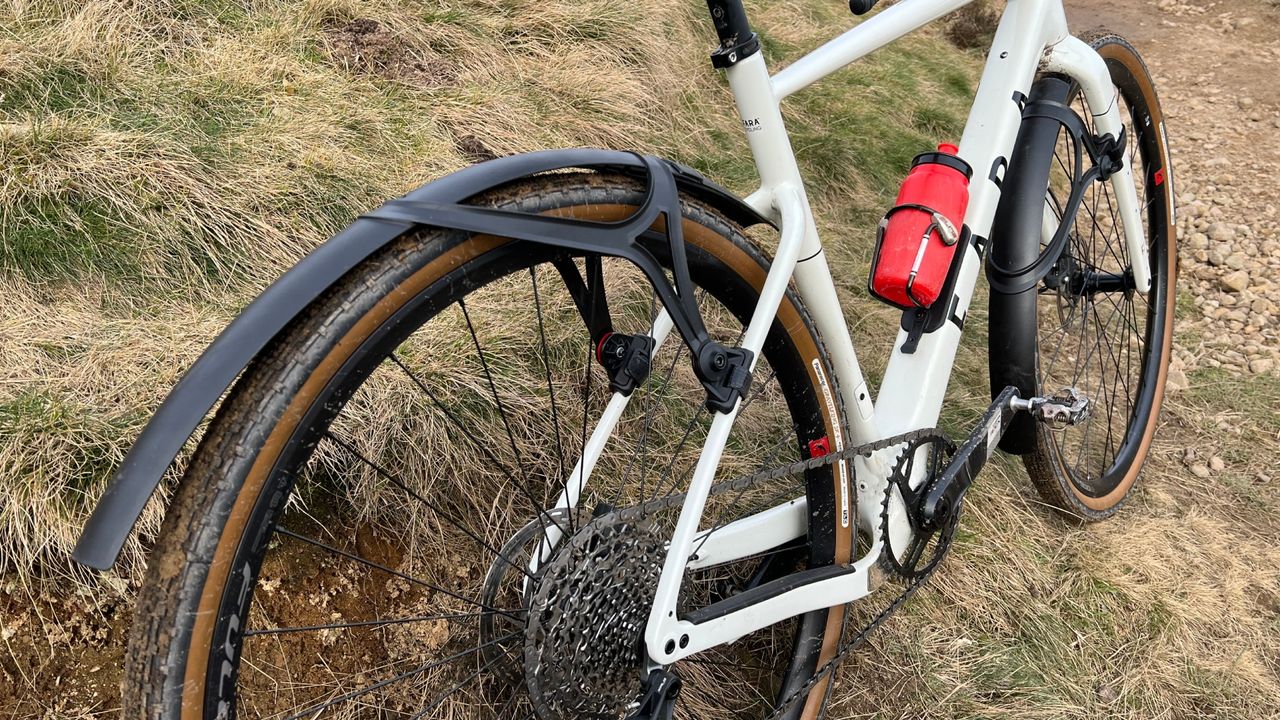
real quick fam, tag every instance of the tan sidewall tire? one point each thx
(1043, 465)
(178, 578)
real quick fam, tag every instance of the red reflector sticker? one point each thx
(1159, 176)
(819, 447)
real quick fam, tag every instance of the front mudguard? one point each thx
(440, 203)
(1012, 348)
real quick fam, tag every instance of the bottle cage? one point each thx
(725, 372)
(939, 223)
(1106, 152)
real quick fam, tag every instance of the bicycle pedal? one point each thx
(1068, 407)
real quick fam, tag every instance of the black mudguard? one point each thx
(198, 391)
(1015, 243)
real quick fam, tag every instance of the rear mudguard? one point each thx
(439, 204)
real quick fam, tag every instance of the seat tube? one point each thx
(761, 115)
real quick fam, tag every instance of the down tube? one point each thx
(915, 383)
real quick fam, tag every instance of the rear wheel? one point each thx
(1092, 330)
(353, 537)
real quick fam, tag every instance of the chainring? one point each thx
(928, 543)
(583, 647)
(586, 608)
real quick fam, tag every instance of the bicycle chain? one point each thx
(945, 533)
(910, 440)
(746, 482)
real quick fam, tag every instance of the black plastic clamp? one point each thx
(725, 373)
(727, 56)
(627, 360)
(737, 41)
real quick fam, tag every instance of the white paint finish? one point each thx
(807, 598)
(793, 212)
(1074, 57)
(915, 384)
(750, 535)
(1032, 34)
(870, 35)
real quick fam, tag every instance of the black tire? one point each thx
(1036, 334)
(244, 522)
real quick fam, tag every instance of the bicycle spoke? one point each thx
(314, 710)
(454, 688)
(651, 403)
(484, 450)
(502, 414)
(669, 475)
(767, 462)
(377, 566)
(701, 660)
(365, 623)
(328, 435)
(551, 393)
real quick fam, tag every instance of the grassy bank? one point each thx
(161, 162)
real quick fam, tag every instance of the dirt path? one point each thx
(1216, 66)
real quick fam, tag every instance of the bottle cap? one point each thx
(944, 158)
(948, 148)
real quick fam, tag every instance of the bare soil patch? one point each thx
(368, 46)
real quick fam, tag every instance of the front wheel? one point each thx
(356, 535)
(1084, 326)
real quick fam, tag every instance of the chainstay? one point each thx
(748, 481)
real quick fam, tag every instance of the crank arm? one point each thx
(1067, 408)
(945, 494)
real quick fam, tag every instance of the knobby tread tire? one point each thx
(179, 564)
(1050, 479)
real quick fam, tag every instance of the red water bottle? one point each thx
(918, 237)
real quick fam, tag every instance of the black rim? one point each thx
(311, 531)
(1096, 332)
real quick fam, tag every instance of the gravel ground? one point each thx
(1215, 65)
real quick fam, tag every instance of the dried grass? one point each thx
(162, 161)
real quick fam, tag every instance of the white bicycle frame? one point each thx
(1032, 37)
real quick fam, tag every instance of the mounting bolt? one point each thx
(718, 361)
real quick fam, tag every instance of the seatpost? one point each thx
(736, 39)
